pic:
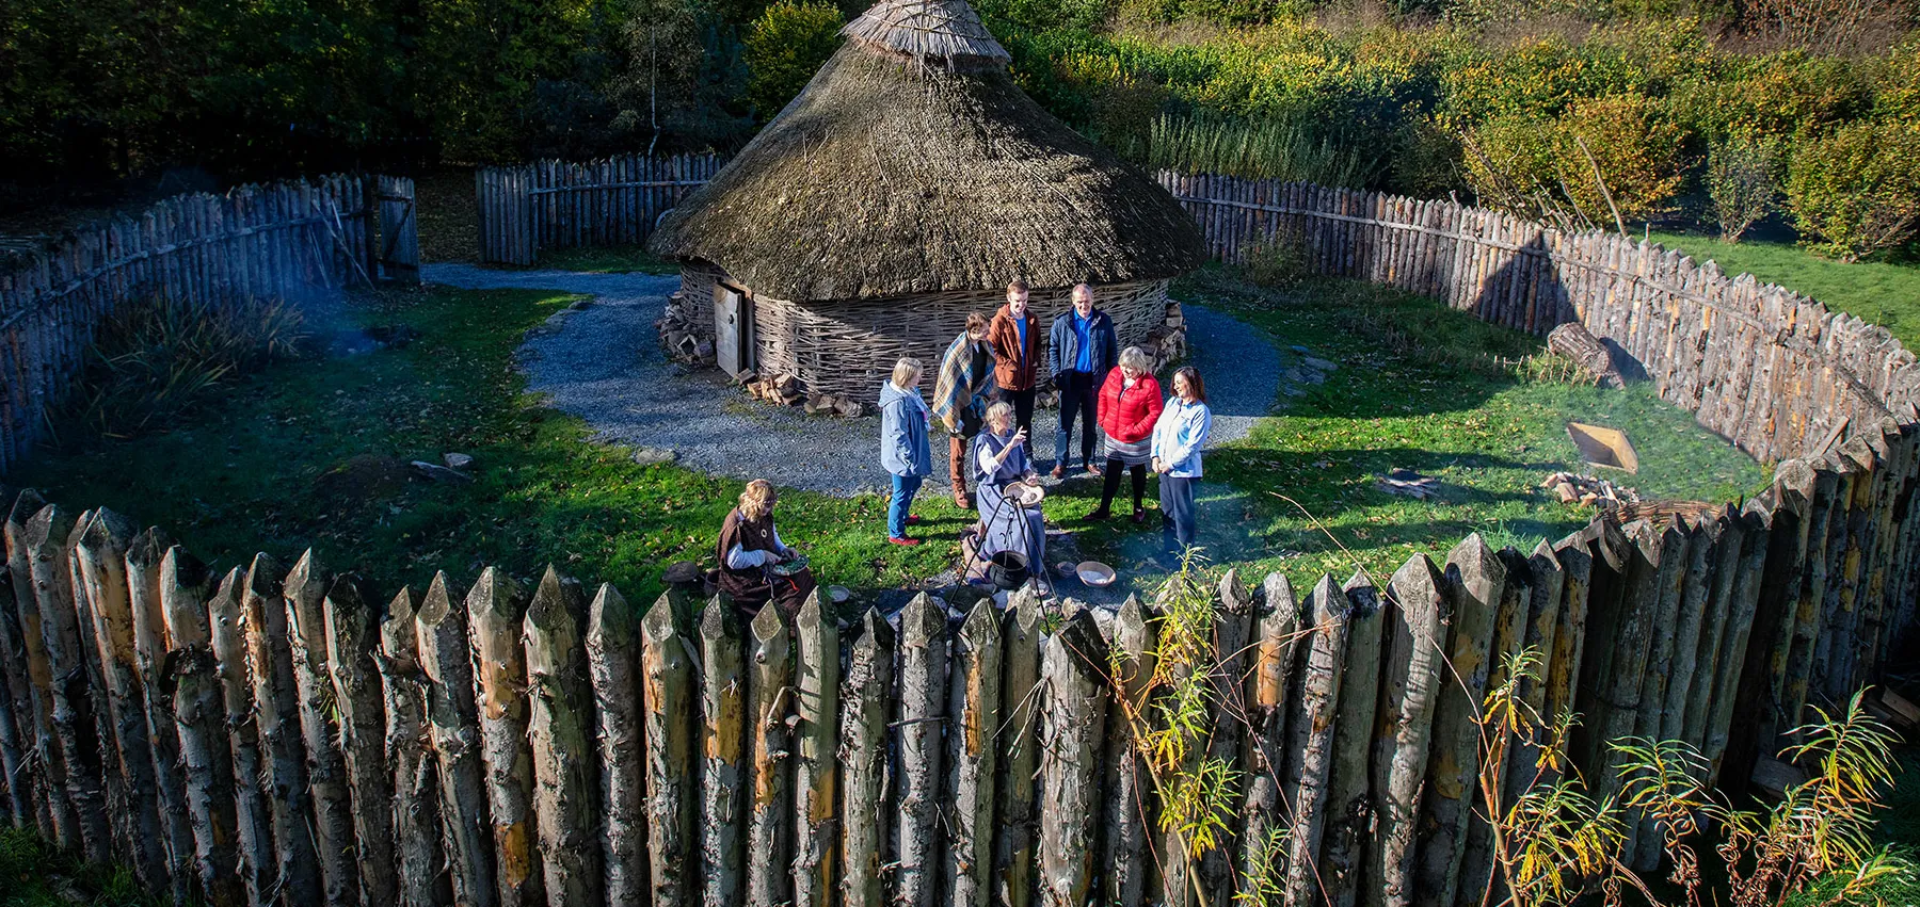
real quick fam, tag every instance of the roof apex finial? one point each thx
(926, 29)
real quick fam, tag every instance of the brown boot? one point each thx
(957, 470)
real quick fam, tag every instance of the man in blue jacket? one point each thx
(1081, 349)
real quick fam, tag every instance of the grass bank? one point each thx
(1882, 293)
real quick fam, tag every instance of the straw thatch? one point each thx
(897, 173)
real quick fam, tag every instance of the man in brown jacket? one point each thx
(1014, 335)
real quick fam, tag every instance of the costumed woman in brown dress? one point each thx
(750, 548)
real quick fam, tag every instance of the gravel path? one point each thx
(603, 363)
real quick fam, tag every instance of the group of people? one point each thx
(983, 397)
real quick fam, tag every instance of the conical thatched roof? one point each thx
(904, 170)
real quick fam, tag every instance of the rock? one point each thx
(652, 456)
(457, 460)
(439, 473)
(1319, 364)
(580, 305)
(851, 409)
(1300, 349)
(681, 573)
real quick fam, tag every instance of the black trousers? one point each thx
(1079, 396)
(1022, 410)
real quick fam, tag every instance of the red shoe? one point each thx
(900, 540)
(1094, 471)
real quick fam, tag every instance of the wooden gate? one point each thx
(399, 258)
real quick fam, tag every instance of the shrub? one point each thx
(1532, 166)
(1276, 263)
(1741, 184)
(1857, 191)
(785, 47)
(1287, 149)
(153, 361)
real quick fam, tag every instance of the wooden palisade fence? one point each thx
(527, 208)
(281, 241)
(266, 735)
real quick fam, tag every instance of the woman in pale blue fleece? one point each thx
(1177, 439)
(904, 419)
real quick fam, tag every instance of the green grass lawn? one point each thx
(1882, 293)
(1418, 387)
(313, 453)
(609, 260)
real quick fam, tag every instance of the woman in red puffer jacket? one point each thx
(1129, 405)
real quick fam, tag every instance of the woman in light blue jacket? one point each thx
(904, 419)
(1177, 439)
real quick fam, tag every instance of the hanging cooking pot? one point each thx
(1007, 569)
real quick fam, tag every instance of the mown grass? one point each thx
(314, 453)
(1425, 388)
(1883, 293)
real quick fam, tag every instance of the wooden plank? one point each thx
(1477, 883)
(59, 824)
(1745, 597)
(1072, 727)
(1546, 592)
(613, 662)
(1264, 816)
(150, 645)
(303, 593)
(1650, 711)
(352, 648)
(1227, 705)
(253, 819)
(863, 739)
(560, 726)
(973, 702)
(454, 726)
(71, 715)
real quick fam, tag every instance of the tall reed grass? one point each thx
(1287, 149)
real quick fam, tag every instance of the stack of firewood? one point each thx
(680, 336)
(1166, 343)
(825, 404)
(780, 390)
(1590, 491)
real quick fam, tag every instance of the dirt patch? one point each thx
(365, 477)
(449, 219)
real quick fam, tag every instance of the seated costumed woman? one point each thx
(750, 551)
(1000, 460)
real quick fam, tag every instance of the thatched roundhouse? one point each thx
(904, 188)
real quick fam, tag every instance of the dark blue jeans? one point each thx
(1079, 395)
(1176, 513)
(904, 488)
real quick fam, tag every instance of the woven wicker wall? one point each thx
(849, 347)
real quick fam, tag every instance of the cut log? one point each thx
(1312, 739)
(1073, 725)
(416, 805)
(206, 765)
(352, 647)
(1477, 869)
(253, 818)
(1227, 704)
(816, 799)
(496, 608)
(1013, 858)
(560, 728)
(101, 559)
(277, 717)
(770, 815)
(1350, 814)
(613, 657)
(71, 700)
(1420, 618)
(1474, 580)
(150, 647)
(723, 766)
(671, 771)
(973, 701)
(58, 822)
(1264, 815)
(454, 726)
(1575, 342)
(1127, 852)
(923, 701)
(863, 739)
(303, 592)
